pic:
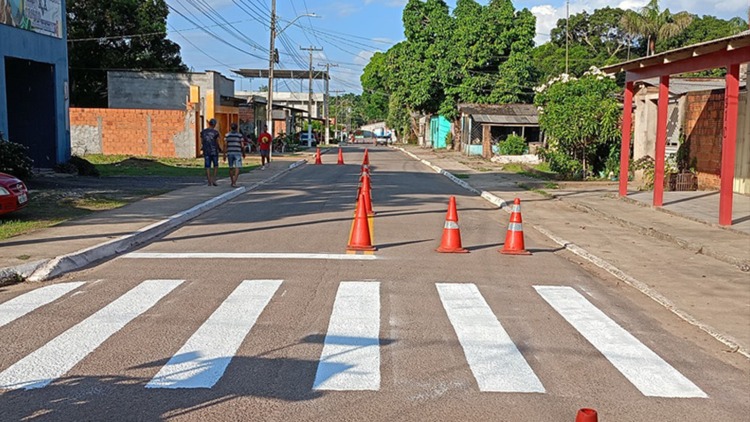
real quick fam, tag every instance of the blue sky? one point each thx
(235, 33)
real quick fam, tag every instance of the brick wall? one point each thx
(158, 133)
(704, 127)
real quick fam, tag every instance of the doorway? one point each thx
(32, 117)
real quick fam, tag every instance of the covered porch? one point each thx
(726, 53)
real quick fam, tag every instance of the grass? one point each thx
(51, 207)
(537, 171)
(461, 175)
(124, 165)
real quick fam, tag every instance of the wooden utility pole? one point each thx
(338, 108)
(309, 105)
(325, 100)
(271, 61)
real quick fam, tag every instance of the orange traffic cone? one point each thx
(366, 191)
(587, 415)
(317, 157)
(451, 242)
(341, 157)
(514, 237)
(366, 159)
(360, 239)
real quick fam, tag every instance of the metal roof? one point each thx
(726, 44)
(681, 86)
(504, 114)
(282, 74)
(505, 120)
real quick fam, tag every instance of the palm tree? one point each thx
(651, 23)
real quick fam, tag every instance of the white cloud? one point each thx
(363, 57)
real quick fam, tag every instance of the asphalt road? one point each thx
(404, 334)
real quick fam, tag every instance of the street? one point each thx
(254, 311)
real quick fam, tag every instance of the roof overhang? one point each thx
(708, 55)
(282, 74)
(497, 119)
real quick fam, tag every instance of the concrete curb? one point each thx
(45, 270)
(606, 266)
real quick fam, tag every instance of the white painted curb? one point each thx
(81, 258)
(601, 263)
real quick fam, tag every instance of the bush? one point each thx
(568, 168)
(15, 160)
(513, 145)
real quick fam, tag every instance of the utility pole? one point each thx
(271, 60)
(338, 108)
(325, 100)
(567, 33)
(310, 102)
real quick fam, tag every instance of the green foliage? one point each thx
(647, 164)
(97, 22)
(702, 29)
(651, 23)
(566, 167)
(14, 160)
(612, 165)
(512, 145)
(580, 116)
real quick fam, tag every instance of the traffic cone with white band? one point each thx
(451, 242)
(317, 157)
(514, 237)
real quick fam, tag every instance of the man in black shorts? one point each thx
(210, 147)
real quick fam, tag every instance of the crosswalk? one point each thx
(351, 355)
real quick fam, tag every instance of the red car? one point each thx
(13, 194)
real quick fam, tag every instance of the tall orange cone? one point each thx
(514, 237)
(366, 191)
(341, 157)
(317, 157)
(366, 159)
(451, 242)
(360, 239)
(587, 415)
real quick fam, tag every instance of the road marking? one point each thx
(645, 369)
(202, 360)
(351, 352)
(57, 357)
(493, 358)
(210, 255)
(27, 302)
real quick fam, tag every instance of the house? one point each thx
(485, 125)
(717, 121)
(34, 79)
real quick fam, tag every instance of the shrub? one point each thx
(568, 168)
(15, 160)
(513, 145)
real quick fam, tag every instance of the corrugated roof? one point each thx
(502, 114)
(505, 120)
(681, 86)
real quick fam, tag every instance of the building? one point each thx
(295, 100)
(34, 79)
(486, 125)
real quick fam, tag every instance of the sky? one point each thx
(224, 35)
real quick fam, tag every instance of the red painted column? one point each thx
(627, 120)
(729, 143)
(661, 140)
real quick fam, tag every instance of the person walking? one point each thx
(265, 141)
(210, 147)
(235, 152)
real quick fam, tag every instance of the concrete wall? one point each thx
(644, 122)
(158, 133)
(23, 44)
(165, 91)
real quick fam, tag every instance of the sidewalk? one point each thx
(46, 253)
(677, 256)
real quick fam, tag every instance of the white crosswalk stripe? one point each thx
(205, 356)
(57, 357)
(493, 358)
(350, 359)
(351, 352)
(639, 364)
(27, 302)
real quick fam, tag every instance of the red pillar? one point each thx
(661, 140)
(728, 145)
(627, 120)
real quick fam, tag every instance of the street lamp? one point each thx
(271, 60)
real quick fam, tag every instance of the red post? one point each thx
(729, 143)
(661, 140)
(627, 120)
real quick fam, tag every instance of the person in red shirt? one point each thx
(264, 140)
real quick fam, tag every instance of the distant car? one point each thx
(302, 136)
(13, 194)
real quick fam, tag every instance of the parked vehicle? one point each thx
(13, 194)
(302, 137)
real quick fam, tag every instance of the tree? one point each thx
(702, 29)
(127, 34)
(374, 81)
(652, 24)
(580, 117)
